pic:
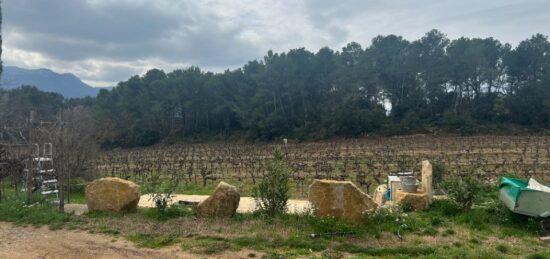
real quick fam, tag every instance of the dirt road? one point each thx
(31, 242)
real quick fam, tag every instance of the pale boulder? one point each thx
(339, 199)
(380, 194)
(427, 180)
(112, 194)
(222, 203)
(417, 200)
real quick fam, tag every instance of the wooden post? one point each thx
(427, 178)
(60, 172)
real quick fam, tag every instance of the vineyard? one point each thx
(365, 161)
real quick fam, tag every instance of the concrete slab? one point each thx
(246, 204)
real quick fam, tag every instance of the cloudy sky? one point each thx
(106, 41)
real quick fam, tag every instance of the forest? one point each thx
(391, 87)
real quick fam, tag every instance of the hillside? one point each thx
(47, 80)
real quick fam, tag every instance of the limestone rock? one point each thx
(427, 178)
(112, 194)
(380, 194)
(222, 203)
(417, 200)
(340, 199)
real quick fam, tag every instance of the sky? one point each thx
(107, 41)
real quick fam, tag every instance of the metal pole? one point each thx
(61, 171)
(30, 162)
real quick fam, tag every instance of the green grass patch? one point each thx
(170, 212)
(153, 241)
(390, 251)
(37, 214)
(207, 245)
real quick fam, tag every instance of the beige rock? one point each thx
(222, 203)
(427, 178)
(112, 194)
(417, 200)
(380, 194)
(340, 199)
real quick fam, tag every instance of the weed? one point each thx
(539, 256)
(103, 229)
(475, 241)
(394, 251)
(174, 211)
(448, 232)
(406, 206)
(329, 226)
(330, 254)
(153, 241)
(38, 214)
(502, 248)
(429, 231)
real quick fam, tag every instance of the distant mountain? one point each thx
(46, 80)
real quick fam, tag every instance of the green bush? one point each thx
(272, 193)
(439, 170)
(463, 191)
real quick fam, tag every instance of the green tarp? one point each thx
(519, 198)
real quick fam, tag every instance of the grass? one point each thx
(170, 213)
(394, 251)
(488, 231)
(14, 209)
(152, 241)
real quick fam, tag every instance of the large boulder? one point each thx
(340, 199)
(222, 203)
(416, 201)
(112, 194)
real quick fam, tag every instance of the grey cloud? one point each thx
(110, 40)
(74, 30)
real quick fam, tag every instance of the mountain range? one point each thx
(47, 80)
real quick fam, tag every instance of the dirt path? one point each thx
(31, 242)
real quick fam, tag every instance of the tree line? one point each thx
(393, 86)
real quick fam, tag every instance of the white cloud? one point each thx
(106, 41)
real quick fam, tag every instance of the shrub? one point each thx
(161, 190)
(439, 170)
(462, 191)
(272, 193)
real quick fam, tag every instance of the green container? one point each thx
(519, 198)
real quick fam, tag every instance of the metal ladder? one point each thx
(45, 175)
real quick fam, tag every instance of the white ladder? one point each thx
(44, 172)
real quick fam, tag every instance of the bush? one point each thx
(439, 170)
(463, 191)
(272, 193)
